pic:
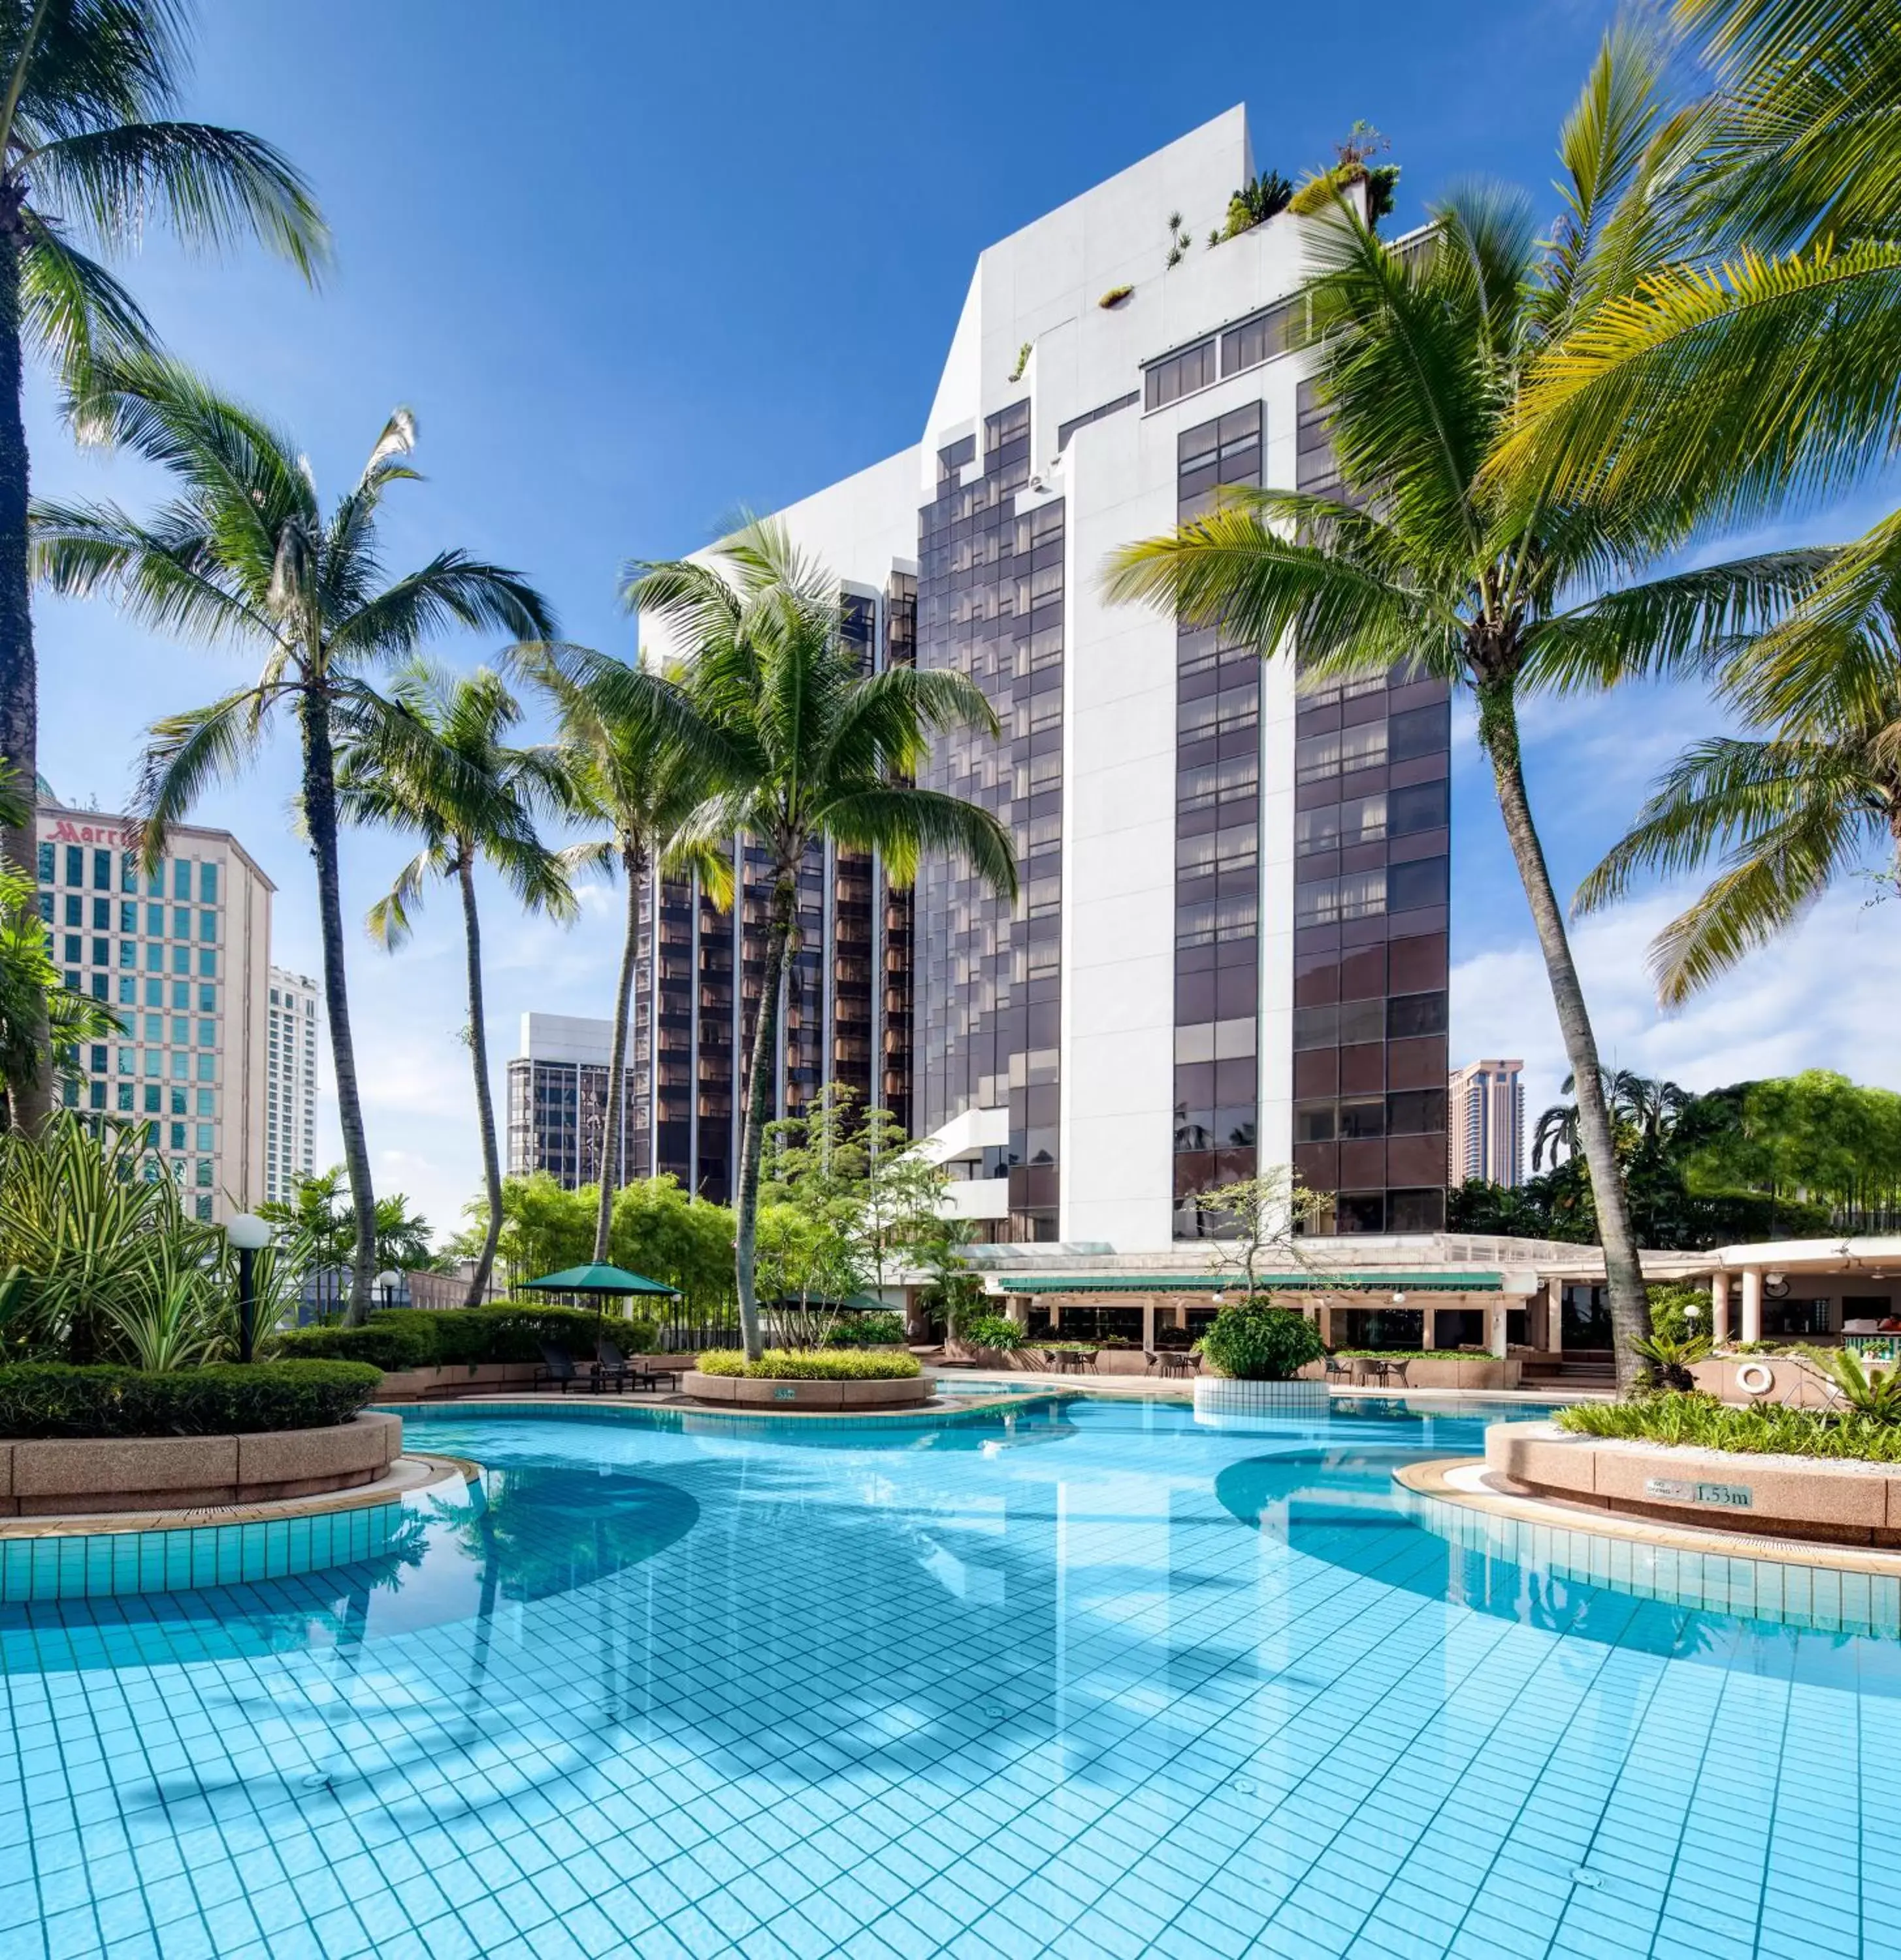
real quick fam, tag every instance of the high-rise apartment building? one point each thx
(182, 956)
(1487, 1122)
(291, 1099)
(557, 1100)
(1231, 947)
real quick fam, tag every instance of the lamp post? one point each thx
(387, 1281)
(249, 1234)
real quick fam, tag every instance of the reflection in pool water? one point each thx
(1075, 1677)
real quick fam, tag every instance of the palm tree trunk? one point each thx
(617, 1054)
(320, 818)
(479, 1054)
(30, 1099)
(761, 1079)
(1629, 1302)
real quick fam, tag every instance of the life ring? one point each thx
(1756, 1378)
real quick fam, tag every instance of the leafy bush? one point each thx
(1701, 1422)
(1875, 1393)
(405, 1337)
(1413, 1354)
(50, 1399)
(1671, 1313)
(1668, 1359)
(990, 1330)
(1252, 1342)
(867, 1330)
(810, 1364)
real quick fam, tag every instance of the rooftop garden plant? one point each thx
(1252, 1341)
(1258, 200)
(49, 1399)
(811, 1364)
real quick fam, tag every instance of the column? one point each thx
(1752, 1303)
(1554, 1314)
(1016, 1309)
(1148, 1327)
(1719, 1308)
(1325, 1320)
(1496, 1315)
(1429, 1327)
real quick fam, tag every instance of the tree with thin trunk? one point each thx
(640, 759)
(88, 149)
(440, 766)
(818, 752)
(243, 556)
(1420, 566)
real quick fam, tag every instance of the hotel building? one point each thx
(1487, 1122)
(182, 956)
(1231, 947)
(557, 1100)
(290, 1108)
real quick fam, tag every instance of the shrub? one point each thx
(1413, 1354)
(1253, 1342)
(404, 1337)
(1671, 1310)
(1701, 1422)
(990, 1330)
(810, 1364)
(49, 1399)
(1668, 1359)
(867, 1330)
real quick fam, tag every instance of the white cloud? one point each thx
(1821, 998)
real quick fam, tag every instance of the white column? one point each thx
(1718, 1308)
(1752, 1303)
(1325, 1319)
(1554, 1316)
(1429, 1327)
(1148, 1327)
(1498, 1342)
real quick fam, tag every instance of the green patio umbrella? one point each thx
(601, 1281)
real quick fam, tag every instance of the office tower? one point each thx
(290, 1100)
(557, 1100)
(1487, 1122)
(182, 956)
(1231, 949)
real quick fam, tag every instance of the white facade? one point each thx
(290, 1100)
(1034, 327)
(182, 956)
(1486, 1128)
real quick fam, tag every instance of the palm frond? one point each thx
(185, 754)
(905, 825)
(71, 307)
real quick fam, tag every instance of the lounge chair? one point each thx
(558, 1368)
(611, 1365)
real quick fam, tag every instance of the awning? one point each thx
(1211, 1282)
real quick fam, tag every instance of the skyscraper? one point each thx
(1231, 947)
(290, 1111)
(557, 1100)
(1487, 1133)
(181, 956)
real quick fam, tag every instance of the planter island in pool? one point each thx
(763, 1391)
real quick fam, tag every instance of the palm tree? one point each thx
(641, 760)
(87, 146)
(440, 766)
(1645, 1111)
(1421, 346)
(816, 751)
(243, 555)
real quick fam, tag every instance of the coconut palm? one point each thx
(1420, 348)
(243, 555)
(816, 751)
(440, 766)
(88, 150)
(641, 760)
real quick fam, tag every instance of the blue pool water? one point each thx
(1076, 1679)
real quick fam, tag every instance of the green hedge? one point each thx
(49, 1399)
(1412, 1354)
(404, 1337)
(867, 1330)
(1755, 1429)
(811, 1364)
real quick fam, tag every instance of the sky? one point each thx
(635, 268)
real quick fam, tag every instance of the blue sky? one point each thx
(635, 268)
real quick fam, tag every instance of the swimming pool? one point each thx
(1075, 1678)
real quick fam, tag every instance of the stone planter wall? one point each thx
(1784, 1496)
(1790, 1380)
(167, 1473)
(746, 1392)
(492, 1378)
(1219, 1399)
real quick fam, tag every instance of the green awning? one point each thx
(1212, 1283)
(597, 1279)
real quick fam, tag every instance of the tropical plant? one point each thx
(1353, 165)
(640, 760)
(1255, 1217)
(88, 147)
(1675, 1308)
(1254, 1341)
(1644, 1110)
(991, 1330)
(1701, 1422)
(440, 767)
(243, 555)
(813, 750)
(176, 1318)
(1667, 1358)
(1260, 198)
(1422, 564)
(316, 1229)
(1866, 1392)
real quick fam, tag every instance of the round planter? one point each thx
(167, 1473)
(1823, 1498)
(1221, 1403)
(746, 1392)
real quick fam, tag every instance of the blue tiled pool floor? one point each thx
(1079, 1681)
